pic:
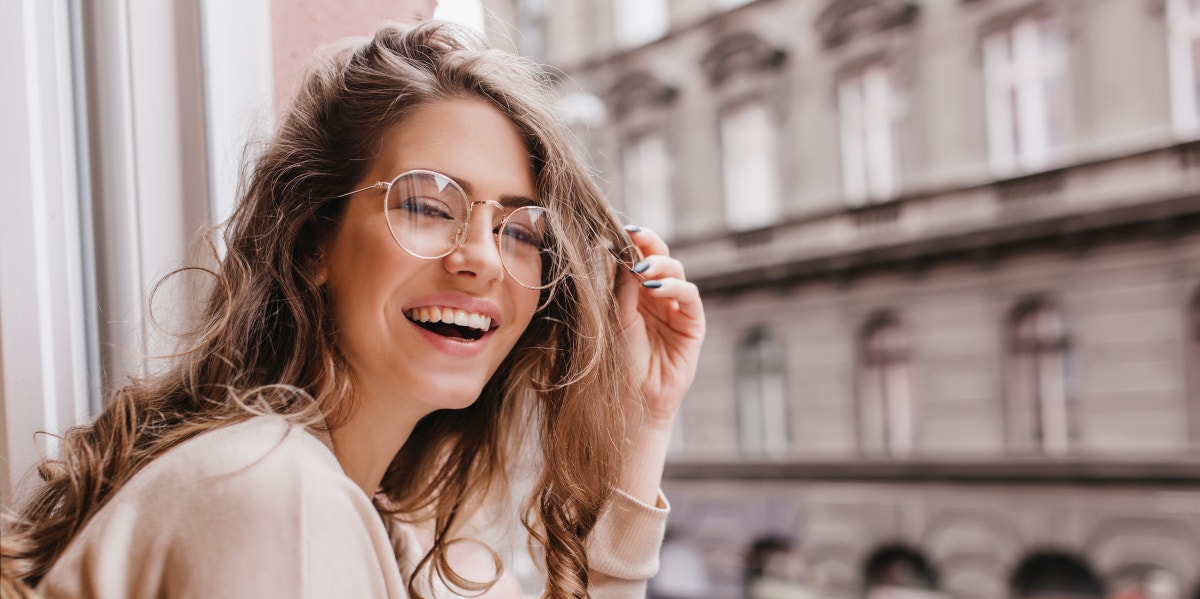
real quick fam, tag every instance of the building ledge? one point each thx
(1170, 472)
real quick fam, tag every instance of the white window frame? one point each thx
(761, 379)
(730, 4)
(1183, 32)
(638, 22)
(750, 173)
(44, 338)
(647, 182)
(1041, 384)
(136, 176)
(885, 390)
(1019, 71)
(870, 107)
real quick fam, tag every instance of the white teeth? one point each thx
(460, 318)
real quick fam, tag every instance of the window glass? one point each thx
(884, 394)
(1042, 382)
(761, 395)
(1027, 103)
(750, 178)
(640, 21)
(647, 184)
(869, 109)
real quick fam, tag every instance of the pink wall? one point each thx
(298, 27)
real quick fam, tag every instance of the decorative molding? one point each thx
(636, 90)
(843, 20)
(740, 53)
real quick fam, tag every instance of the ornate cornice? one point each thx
(843, 20)
(638, 89)
(740, 53)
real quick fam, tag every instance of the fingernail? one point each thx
(652, 284)
(641, 267)
(633, 229)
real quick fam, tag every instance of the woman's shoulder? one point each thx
(259, 504)
(263, 457)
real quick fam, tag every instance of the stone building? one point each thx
(950, 255)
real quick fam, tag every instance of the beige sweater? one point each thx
(263, 509)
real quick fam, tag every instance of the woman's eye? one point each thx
(523, 234)
(426, 207)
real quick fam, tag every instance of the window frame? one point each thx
(760, 360)
(870, 151)
(886, 408)
(1183, 50)
(763, 155)
(1039, 335)
(1022, 133)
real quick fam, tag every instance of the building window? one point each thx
(1193, 368)
(775, 567)
(729, 4)
(1146, 583)
(1026, 75)
(1183, 38)
(751, 183)
(531, 22)
(885, 399)
(1052, 575)
(761, 395)
(897, 572)
(647, 183)
(640, 21)
(1041, 378)
(869, 107)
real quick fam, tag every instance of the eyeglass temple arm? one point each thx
(375, 185)
(615, 253)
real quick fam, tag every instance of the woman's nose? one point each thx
(479, 254)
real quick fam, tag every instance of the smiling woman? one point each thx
(417, 278)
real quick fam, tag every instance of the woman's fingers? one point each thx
(647, 241)
(685, 294)
(657, 266)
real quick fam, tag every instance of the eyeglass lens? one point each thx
(429, 216)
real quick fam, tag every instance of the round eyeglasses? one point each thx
(428, 215)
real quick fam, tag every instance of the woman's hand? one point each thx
(663, 323)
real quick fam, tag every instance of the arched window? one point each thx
(775, 568)
(885, 410)
(1193, 367)
(761, 394)
(1054, 575)
(897, 572)
(1040, 386)
(1146, 583)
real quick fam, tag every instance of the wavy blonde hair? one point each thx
(265, 341)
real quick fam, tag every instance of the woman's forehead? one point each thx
(466, 139)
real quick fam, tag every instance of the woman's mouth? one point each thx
(451, 322)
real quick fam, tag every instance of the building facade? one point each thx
(950, 256)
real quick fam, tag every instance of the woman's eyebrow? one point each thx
(506, 200)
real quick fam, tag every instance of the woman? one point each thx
(419, 275)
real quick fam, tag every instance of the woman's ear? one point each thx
(318, 265)
(320, 268)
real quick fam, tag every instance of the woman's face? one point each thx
(379, 292)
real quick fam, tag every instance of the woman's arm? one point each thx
(663, 320)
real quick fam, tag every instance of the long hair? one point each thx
(265, 343)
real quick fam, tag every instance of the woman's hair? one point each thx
(265, 340)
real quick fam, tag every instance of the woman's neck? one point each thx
(366, 444)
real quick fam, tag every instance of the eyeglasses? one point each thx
(428, 215)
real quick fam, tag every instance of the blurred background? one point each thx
(949, 252)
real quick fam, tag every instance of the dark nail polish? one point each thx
(641, 267)
(652, 284)
(633, 229)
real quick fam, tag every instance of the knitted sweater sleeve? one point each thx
(623, 548)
